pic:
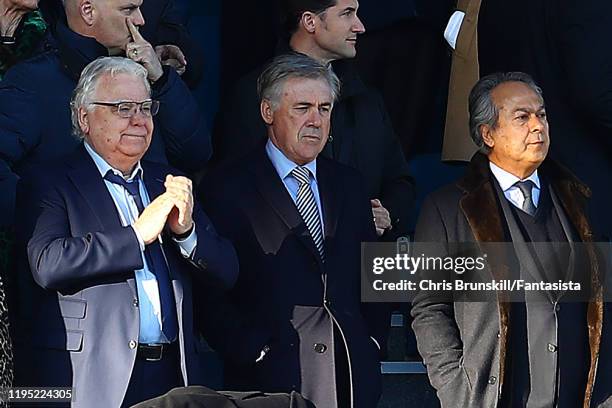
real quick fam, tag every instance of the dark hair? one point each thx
(481, 107)
(291, 11)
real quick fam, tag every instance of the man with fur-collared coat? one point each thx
(497, 353)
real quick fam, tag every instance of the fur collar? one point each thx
(480, 207)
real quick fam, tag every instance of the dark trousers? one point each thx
(151, 379)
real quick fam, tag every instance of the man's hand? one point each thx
(140, 51)
(179, 189)
(382, 219)
(153, 219)
(173, 56)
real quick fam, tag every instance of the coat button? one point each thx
(557, 307)
(135, 303)
(492, 380)
(498, 335)
(132, 344)
(320, 348)
(552, 348)
(327, 302)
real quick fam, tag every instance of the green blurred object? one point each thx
(28, 36)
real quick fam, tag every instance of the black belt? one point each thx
(155, 352)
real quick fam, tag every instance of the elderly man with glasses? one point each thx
(113, 243)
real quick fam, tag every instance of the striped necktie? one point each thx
(307, 207)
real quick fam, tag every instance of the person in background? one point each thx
(166, 30)
(21, 30)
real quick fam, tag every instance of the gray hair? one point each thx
(481, 107)
(293, 65)
(83, 94)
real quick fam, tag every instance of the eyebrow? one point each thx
(526, 109)
(312, 104)
(349, 8)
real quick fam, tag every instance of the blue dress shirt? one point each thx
(284, 166)
(149, 303)
(507, 181)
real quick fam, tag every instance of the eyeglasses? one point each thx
(127, 109)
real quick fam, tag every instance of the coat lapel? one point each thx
(90, 184)
(479, 205)
(483, 215)
(275, 194)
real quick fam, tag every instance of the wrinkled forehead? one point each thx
(298, 89)
(121, 87)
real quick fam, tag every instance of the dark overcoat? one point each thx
(286, 297)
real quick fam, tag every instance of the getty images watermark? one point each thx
(398, 272)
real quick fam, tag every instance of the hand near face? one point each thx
(382, 219)
(140, 51)
(179, 189)
(153, 219)
(173, 56)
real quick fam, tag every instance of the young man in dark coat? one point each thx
(296, 219)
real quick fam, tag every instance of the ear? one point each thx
(308, 22)
(267, 113)
(83, 121)
(88, 12)
(486, 132)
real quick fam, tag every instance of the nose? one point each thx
(138, 19)
(536, 123)
(139, 119)
(358, 26)
(314, 119)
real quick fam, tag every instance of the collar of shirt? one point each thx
(507, 183)
(283, 165)
(104, 167)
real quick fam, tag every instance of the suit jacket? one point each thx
(286, 297)
(361, 136)
(78, 308)
(464, 345)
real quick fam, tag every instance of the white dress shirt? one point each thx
(512, 193)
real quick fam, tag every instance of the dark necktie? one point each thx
(307, 207)
(156, 261)
(526, 188)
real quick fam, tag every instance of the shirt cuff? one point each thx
(187, 245)
(453, 27)
(140, 240)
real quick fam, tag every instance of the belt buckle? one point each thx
(160, 348)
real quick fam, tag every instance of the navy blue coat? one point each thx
(77, 320)
(35, 124)
(285, 296)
